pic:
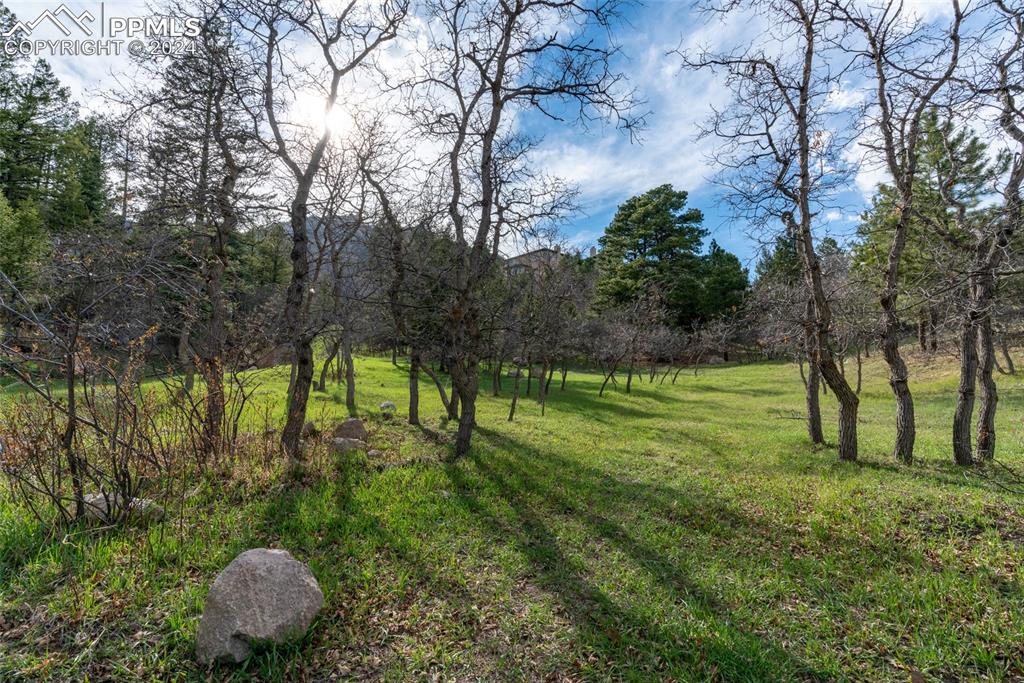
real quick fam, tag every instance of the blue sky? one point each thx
(603, 162)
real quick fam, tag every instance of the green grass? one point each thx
(683, 532)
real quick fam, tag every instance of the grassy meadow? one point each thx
(684, 532)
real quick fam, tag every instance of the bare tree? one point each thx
(911, 66)
(485, 60)
(781, 160)
(345, 36)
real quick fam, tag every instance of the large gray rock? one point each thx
(352, 428)
(262, 596)
(309, 431)
(105, 508)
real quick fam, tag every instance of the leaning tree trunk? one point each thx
(1004, 347)
(898, 377)
(332, 353)
(440, 387)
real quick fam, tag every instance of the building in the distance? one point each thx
(533, 261)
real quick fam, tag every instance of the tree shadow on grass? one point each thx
(626, 642)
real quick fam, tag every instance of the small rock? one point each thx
(352, 428)
(309, 431)
(388, 407)
(375, 453)
(343, 445)
(105, 508)
(261, 596)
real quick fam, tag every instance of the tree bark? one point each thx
(986, 427)
(962, 451)
(350, 376)
(515, 396)
(903, 449)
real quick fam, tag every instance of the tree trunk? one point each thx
(812, 380)
(414, 387)
(629, 378)
(542, 388)
(565, 371)
(933, 328)
(68, 440)
(922, 332)
(605, 382)
(331, 355)
(295, 328)
(515, 396)
(440, 387)
(496, 379)
(529, 375)
(350, 377)
(453, 404)
(962, 451)
(986, 427)
(1004, 347)
(465, 374)
(903, 450)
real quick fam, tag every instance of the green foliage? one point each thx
(35, 113)
(652, 247)
(22, 241)
(724, 281)
(954, 170)
(780, 262)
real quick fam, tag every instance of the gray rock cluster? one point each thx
(105, 508)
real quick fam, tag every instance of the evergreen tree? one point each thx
(653, 245)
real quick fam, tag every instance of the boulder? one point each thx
(388, 407)
(104, 508)
(375, 454)
(352, 428)
(309, 431)
(343, 445)
(262, 596)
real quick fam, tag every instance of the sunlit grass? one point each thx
(682, 532)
